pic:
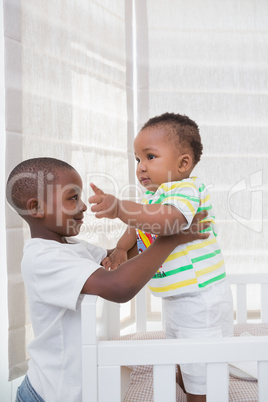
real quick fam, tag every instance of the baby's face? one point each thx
(157, 158)
(64, 208)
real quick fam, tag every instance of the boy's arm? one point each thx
(154, 218)
(125, 282)
(120, 254)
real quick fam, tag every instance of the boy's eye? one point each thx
(150, 156)
(75, 197)
(137, 160)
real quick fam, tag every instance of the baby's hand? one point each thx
(106, 205)
(117, 257)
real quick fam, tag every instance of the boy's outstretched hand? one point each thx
(197, 228)
(105, 205)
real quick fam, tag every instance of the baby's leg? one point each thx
(196, 398)
(179, 379)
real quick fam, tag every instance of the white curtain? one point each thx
(69, 94)
(209, 60)
(73, 101)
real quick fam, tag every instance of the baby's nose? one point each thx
(142, 167)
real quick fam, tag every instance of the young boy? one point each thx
(57, 269)
(197, 300)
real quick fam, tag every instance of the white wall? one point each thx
(7, 389)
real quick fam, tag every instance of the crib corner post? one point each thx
(89, 349)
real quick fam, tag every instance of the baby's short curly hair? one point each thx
(30, 177)
(184, 131)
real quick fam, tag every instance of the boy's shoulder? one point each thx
(74, 245)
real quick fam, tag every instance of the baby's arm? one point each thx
(120, 253)
(123, 283)
(154, 218)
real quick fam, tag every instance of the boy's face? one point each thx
(157, 158)
(63, 207)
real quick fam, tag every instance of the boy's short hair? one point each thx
(30, 177)
(185, 131)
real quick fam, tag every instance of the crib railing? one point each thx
(241, 282)
(102, 359)
(165, 354)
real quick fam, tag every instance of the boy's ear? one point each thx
(34, 208)
(185, 163)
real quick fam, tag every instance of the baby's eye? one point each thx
(75, 197)
(150, 156)
(137, 160)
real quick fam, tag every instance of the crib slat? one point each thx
(264, 302)
(113, 320)
(109, 384)
(241, 313)
(217, 382)
(262, 380)
(165, 383)
(141, 310)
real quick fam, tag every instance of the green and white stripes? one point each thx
(191, 266)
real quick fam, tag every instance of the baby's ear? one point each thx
(185, 163)
(34, 208)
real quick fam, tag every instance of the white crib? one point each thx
(103, 357)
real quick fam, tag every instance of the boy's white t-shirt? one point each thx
(54, 274)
